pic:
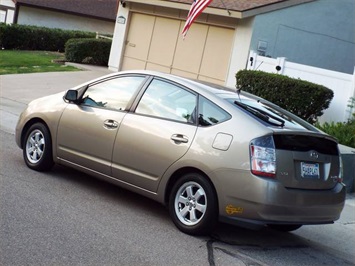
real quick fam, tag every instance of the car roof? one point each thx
(217, 93)
(197, 85)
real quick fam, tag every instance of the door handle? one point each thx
(110, 124)
(178, 138)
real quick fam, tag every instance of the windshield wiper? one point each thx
(273, 120)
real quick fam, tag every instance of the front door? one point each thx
(87, 131)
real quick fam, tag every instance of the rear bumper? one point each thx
(263, 201)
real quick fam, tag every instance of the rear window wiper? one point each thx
(273, 120)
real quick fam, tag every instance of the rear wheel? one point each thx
(37, 149)
(193, 205)
(285, 227)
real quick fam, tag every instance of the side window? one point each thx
(112, 94)
(165, 100)
(210, 114)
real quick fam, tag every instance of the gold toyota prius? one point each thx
(208, 152)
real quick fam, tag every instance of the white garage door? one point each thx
(155, 43)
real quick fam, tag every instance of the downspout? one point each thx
(17, 9)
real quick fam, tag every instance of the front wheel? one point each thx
(37, 149)
(193, 205)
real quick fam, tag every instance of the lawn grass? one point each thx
(17, 62)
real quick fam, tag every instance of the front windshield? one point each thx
(268, 113)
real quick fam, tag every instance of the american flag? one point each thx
(196, 9)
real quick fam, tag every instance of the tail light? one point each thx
(263, 157)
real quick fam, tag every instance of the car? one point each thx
(209, 153)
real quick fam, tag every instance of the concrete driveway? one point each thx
(17, 90)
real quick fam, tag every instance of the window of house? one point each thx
(2, 16)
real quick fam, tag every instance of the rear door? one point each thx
(307, 161)
(87, 131)
(158, 133)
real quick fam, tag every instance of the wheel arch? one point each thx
(28, 124)
(180, 172)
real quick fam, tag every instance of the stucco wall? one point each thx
(319, 34)
(45, 18)
(8, 3)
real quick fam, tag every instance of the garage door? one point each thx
(155, 43)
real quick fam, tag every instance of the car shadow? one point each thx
(223, 233)
(226, 240)
(110, 192)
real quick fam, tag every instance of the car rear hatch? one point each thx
(297, 154)
(307, 161)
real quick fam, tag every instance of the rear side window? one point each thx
(210, 113)
(113, 93)
(168, 101)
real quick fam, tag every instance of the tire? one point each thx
(37, 148)
(193, 205)
(285, 227)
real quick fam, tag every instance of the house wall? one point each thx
(239, 56)
(319, 34)
(51, 19)
(7, 11)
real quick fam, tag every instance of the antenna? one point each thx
(239, 89)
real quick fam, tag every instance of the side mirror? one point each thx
(71, 96)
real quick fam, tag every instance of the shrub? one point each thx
(305, 99)
(344, 132)
(90, 51)
(2, 29)
(23, 37)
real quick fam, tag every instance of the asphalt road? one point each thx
(68, 218)
(64, 217)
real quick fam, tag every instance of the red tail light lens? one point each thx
(263, 157)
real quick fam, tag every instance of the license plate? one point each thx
(310, 170)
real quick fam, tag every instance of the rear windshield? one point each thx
(274, 116)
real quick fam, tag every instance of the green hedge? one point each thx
(344, 132)
(89, 51)
(23, 37)
(2, 29)
(305, 99)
